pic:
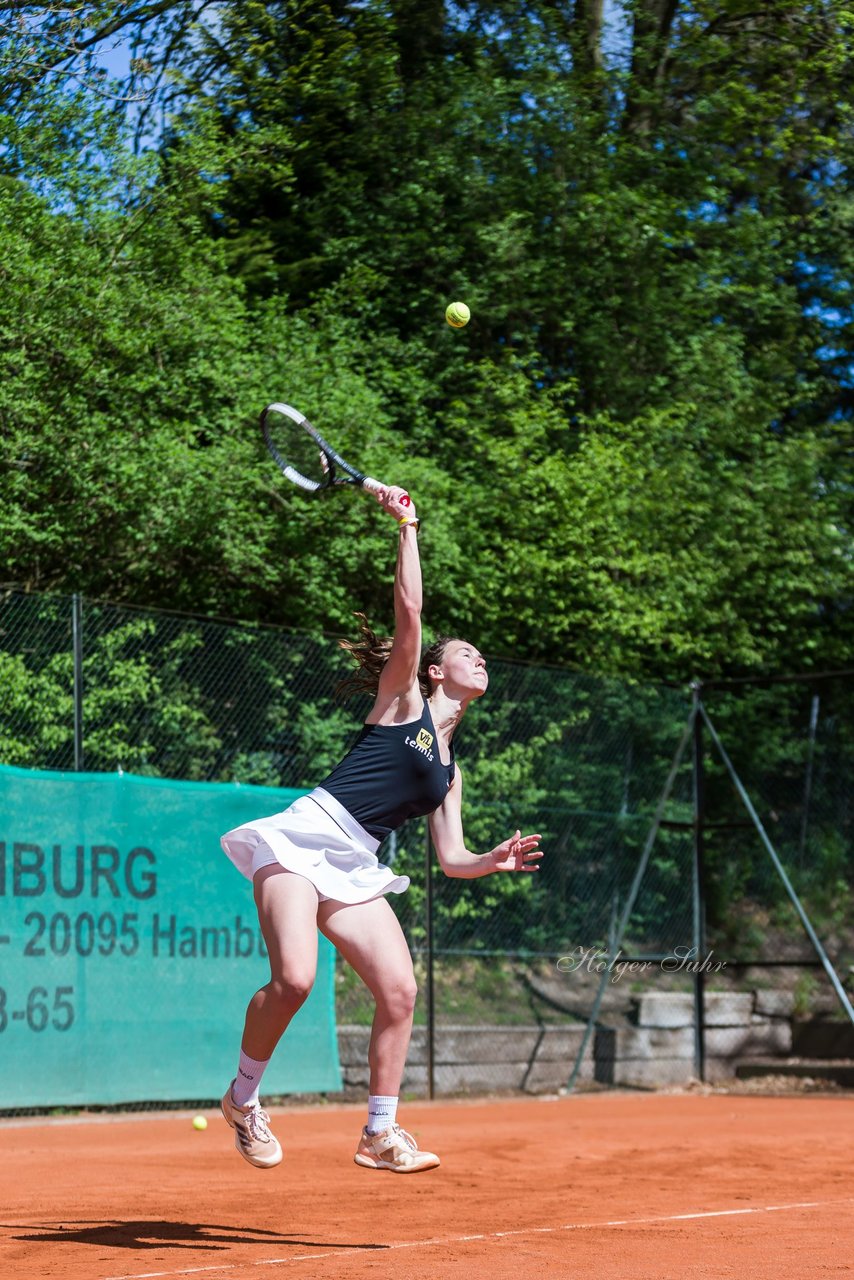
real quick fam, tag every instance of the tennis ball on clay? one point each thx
(199, 1122)
(457, 315)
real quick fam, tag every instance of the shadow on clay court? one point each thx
(158, 1233)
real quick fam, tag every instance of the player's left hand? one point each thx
(519, 853)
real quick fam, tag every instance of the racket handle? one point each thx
(374, 486)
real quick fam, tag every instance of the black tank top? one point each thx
(391, 773)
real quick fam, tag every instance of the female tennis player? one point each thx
(314, 866)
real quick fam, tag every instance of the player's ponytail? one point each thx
(371, 652)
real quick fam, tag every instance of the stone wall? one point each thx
(653, 1047)
(658, 1046)
(476, 1059)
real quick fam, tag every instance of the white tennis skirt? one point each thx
(319, 839)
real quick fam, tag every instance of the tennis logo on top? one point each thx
(423, 742)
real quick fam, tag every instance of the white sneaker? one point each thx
(252, 1135)
(393, 1149)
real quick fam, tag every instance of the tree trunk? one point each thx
(651, 27)
(588, 18)
(421, 28)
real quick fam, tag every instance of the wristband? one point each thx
(409, 520)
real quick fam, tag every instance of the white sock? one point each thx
(244, 1091)
(381, 1113)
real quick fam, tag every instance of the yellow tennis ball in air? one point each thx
(457, 315)
(199, 1122)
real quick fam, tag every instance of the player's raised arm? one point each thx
(400, 674)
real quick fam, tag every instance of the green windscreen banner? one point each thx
(130, 947)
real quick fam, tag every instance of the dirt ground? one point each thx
(607, 1186)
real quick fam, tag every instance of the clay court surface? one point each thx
(598, 1186)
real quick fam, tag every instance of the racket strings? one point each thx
(297, 453)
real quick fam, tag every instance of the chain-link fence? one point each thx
(790, 746)
(656, 896)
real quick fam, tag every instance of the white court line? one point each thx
(489, 1235)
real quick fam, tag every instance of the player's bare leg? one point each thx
(369, 937)
(287, 911)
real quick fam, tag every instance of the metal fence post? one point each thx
(805, 817)
(431, 1003)
(698, 890)
(77, 643)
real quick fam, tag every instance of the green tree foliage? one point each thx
(635, 459)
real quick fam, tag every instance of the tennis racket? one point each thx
(304, 457)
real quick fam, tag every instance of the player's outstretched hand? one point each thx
(519, 853)
(396, 502)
